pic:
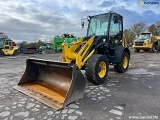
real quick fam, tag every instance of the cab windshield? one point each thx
(144, 36)
(98, 25)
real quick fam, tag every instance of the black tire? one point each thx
(152, 50)
(136, 50)
(158, 48)
(97, 69)
(146, 50)
(1, 53)
(15, 52)
(123, 66)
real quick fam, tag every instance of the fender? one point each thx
(118, 52)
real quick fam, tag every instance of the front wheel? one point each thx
(152, 50)
(1, 53)
(123, 66)
(136, 50)
(97, 69)
(15, 52)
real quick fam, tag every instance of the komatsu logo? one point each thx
(142, 2)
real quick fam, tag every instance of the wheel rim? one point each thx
(125, 62)
(102, 71)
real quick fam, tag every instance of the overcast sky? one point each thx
(32, 20)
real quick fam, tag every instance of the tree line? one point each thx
(25, 44)
(137, 28)
(130, 33)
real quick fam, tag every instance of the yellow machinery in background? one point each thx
(59, 83)
(8, 47)
(147, 42)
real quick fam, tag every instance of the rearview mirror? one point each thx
(115, 18)
(82, 23)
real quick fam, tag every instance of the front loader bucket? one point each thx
(55, 84)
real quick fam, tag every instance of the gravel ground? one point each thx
(131, 95)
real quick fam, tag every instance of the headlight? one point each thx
(104, 40)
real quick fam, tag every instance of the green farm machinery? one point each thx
(57, 42)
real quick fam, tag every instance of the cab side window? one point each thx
(115, 26)
(115, 33)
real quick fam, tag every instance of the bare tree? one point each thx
(72, 35)
(130, 35)
(139, 27)
(152, 28)
(24, 43)
(57, 36)
(67, 35)
(39, 43)
(157, 25)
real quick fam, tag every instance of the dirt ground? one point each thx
(131, 95)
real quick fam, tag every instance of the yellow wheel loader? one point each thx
(8, 47)
(57, 84)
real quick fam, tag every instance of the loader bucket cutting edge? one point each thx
(55, 84)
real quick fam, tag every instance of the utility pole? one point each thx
(36, 42)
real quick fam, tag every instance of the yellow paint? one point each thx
(80, 57)
(10, 51)
(141, 3)
(90, 54)
(103, 68)
(125, 62)
(124, 42)
(148, 43)
(45, 90)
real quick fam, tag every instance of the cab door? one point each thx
(116, 30)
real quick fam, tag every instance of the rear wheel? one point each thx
(123, 66)
(1, 53)
(158, 47)
(97, 69)
(152, 50)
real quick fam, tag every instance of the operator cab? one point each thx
(144, 36)
(107, 29)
